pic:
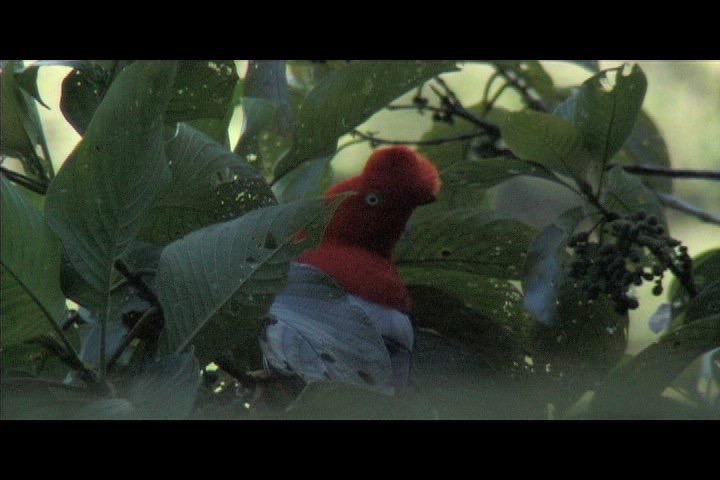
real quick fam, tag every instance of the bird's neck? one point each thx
(361, 272)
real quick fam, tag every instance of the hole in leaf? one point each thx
(270, 242)
(327, 357)
(445, 252)
(366, 377)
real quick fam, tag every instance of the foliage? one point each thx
(172, 243)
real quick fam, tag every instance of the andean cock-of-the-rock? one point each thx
(345, 314)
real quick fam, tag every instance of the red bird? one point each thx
(345, 313)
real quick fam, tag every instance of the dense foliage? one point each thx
(171, 243)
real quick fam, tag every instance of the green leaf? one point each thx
(209, 184)
(311, 179)
(705, 304)
(645, 146)
(608, 105)
(267, 80)
(706, 269)
(346, 98)
(468, 240)
(27, 80)
(626, 193)
(259, 114)
(215, 283)
(27, 398)
(488, 172)
(105, 409)
(165, 389)
(485, 314)
(544, 268)
(339, 401)
(633, 386)
(532, 74)
(105, 189)
(31, 295)
(20, 127)
(202, 89)
(84, 88)
(546, 139)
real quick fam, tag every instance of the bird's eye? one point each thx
(372, 199)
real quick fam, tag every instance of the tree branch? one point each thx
(434, 141)
(142, 323)
(669, 172)
(523, 88)
(683, 206)
(27, 182)
(136, 280)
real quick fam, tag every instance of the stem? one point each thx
(435, 141)
(455, 107)
(524, 90)
(488, 84)
(494, 99)
(669, 172)
(132, 334)
(685, 207)
(657, 250)
(136, 280)
(27, 182)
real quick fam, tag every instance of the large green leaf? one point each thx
(545, 267)
(84, 88)
(346, 98)
(484, 314)
(105, 189)
(31, 294)
(20, 127)
(488, 172)
(546, 139)
(646, 146)
(308, 180)
(608, 105)
(202, 89)
(633, 387)
(267, 80)
(27, 398)
(626, 193)
(165, 389)
(706, 270)
(215, 283)
(202, 92)
(469, 240)
(339, 401)
(209, 184)
(27, 80)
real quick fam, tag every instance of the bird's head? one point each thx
(393, 183)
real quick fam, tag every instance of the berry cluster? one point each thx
(632, 249)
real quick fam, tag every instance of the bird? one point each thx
(345, 314)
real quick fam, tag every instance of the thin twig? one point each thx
(523, 89)
(434, 141)
(683, 206)
(27, 182)
(136, 280)
(669, 172)
(488, 84)
(132, 334)
(489, 105)
(453, 106)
